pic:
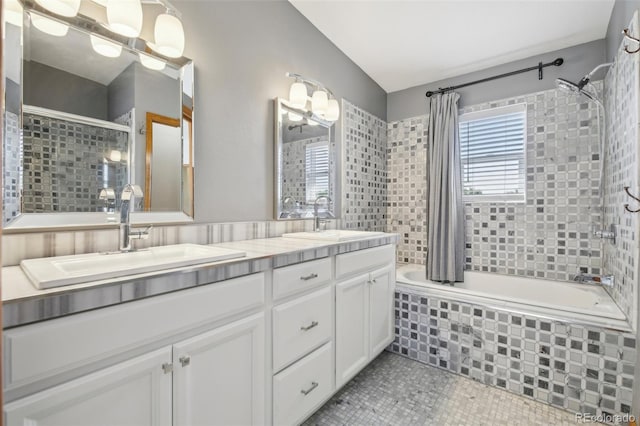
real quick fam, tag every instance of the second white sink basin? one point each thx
(66, 270)
(336, 235)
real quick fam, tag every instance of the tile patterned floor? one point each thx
(396, 391)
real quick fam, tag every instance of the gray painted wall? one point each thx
(52, 88)
(623, 11)
(242, 51)
(578, 61)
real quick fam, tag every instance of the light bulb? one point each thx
(319, 102)
(49, 26)
(298, 95)
(151, 63)
(105, 47)
(333, 110)
(115, 156)
(169, 36)
(12, 11)
(61, 7)
(125, 17)
(294, 117)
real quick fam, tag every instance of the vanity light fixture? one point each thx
(105, 47)
(49, 26)
(115, 156)
(125, 17)
(151, 63)
(169, 35)
(12, 11)
(68, 8)
(323, 103)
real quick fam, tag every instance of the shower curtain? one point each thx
(445, 211)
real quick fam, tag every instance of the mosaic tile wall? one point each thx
(549, 236)
(11, 167)
(621, 169)
(583, 369)
(294, 169)
(407, 192)
(364, 186)
(64, 166)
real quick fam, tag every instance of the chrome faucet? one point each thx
(603, 280)
(129, 192)
(316, 215)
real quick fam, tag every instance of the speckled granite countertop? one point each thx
(24, 304)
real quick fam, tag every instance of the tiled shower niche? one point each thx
(583, 369)
(66, 164)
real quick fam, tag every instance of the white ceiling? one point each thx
(402, 44)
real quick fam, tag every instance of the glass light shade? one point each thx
(115, 156)
(105, 47)
(61, 7)
(49, 26)
(294, 117)
(169, 36)
(125, 17)
(319, 102)
(298, 95)
(333, 110)
(12, 12)
(151, 63)
(102, 3)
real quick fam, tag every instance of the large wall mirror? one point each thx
(86, 112)
(305, 154)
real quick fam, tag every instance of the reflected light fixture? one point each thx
(323, 103)
(12, 11)
(68, 8)
(49, 26)
(151, 63)
(125, 17)
(169, 36)
(115, 156)
(105, 47)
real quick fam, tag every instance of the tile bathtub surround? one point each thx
(16, 247)
(11, 166)
(549, 236)
(579, 368)
(621, 169)
(364, 175)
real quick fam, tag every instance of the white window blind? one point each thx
(492, 151)
(316, 170)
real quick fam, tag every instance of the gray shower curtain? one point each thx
(445, 211)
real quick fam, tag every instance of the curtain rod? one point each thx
(538, 67)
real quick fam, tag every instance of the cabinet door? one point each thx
(219, 376)
(352, 327)
(381, 289)
(135, 392)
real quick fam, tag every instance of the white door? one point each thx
(352, 327)
(136, 392)
(382, 287)
(219, 376)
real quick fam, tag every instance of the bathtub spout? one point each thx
(603, 280)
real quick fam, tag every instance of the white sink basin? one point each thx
(66, 270)
(333, 235)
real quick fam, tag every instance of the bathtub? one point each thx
(556, 300)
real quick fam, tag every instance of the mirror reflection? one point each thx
(306, 164)
(85, 114)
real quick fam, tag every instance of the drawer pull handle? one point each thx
(309, 277)
(310, 326)
(185, 360)
(308, 391)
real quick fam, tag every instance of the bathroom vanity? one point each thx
(266, 340)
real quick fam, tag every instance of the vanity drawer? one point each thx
(301, 325)
(293, 279)
(43, 350)
(301, 388)
(364, 260)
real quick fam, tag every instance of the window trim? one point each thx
(489, 113)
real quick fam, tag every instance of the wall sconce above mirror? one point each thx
(322, 103)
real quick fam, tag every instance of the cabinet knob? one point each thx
(309, 277)
(310, 326)
(184, 360)
(167, 368)
(308, 391)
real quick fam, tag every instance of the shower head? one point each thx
(566, 85)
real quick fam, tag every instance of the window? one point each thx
(492, 151)
(316, 170)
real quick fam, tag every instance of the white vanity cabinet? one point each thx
(364, 307)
